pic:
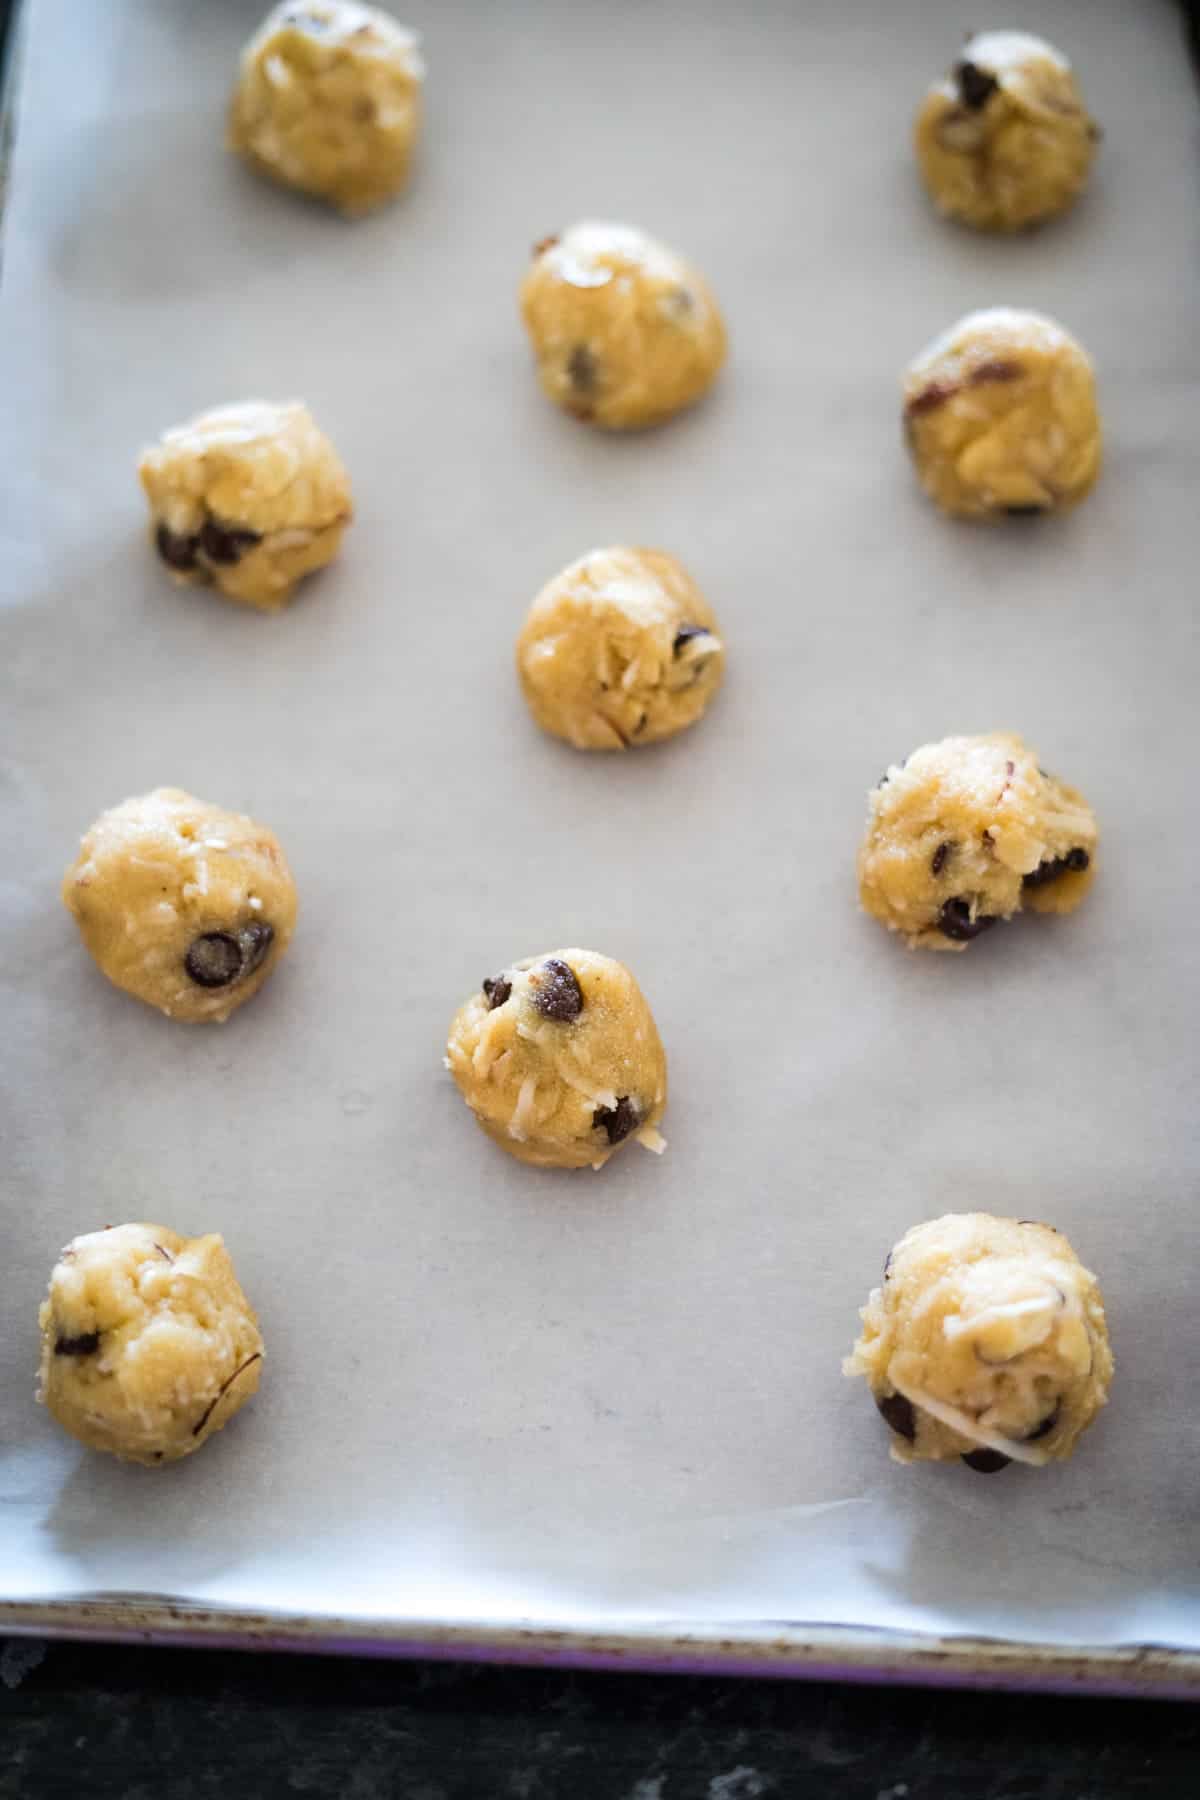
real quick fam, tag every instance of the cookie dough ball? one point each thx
(148, 1343)
(1005, 140)
(1000, 415)
(620, 649)
(328, 100)
(987, 1341)
(625, 332)
(559, 1059)
(249, 498)
(969, 831)
(182, 904)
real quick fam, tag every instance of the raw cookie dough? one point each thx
(1000, 415)
(969, 831)
(625, 332)
(619, 649)
(560, 1060)
(987, 1341)
(328, 100)
(182, 904)
(248, 497)
(148, 1343)
(1005, 140)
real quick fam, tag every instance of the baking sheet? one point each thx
(498, 1398)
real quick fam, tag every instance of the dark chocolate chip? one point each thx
(938, 862)
(214, 960)
(255, 940)
(219, 958)
(986, 1462)
(582, 369)
(1044, 1429)
(226, 543)
(497, 989)
(682, 301)
(998, 369)
(1075, 860)
(899, 1413)
(936, 394)
(1028, 510)
(176, 551)
(955, 922)
(685, 634)
(86, 1344)
(556, 993)
(975, 85)
(617, 1121)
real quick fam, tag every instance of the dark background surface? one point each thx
(111, 1723)
(101, 1723)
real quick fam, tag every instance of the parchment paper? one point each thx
(493, 1393)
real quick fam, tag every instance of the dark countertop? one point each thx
(104, 1723)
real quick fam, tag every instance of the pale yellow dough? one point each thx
(1000, 415)
(969, 831)
(1005, 141)
(620, 649)
(249, 498)
(328, 100)
(184, 905)
(625, 332)
(987, 1341)
(148, 1343)
(560, 1060)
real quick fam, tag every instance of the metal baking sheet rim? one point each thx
(761, 1648)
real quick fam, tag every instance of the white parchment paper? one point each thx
(493, 1393)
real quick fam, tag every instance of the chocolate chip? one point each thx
(556, 993)
(887, 1266)
(86, 1344)
(955, 922)
(899, 1413)
(1075, 861)
(617, 1121)
(685, 634)
(681, 300)
(219, 958)
(176, 551)
(936, 394)
(986, 1462)
(582, 369)
(497, 989)
(998, 370)
(1028, 510)
(255, 940)
(226, 543)
(975, 85)
(1044, 1429)
(938, 862)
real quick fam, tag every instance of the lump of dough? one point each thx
(248, 497)
(620, 649)
(625, 332)
(968, 831)
(1005, 140)
(182, 904)
(1000, 416)
(149, 1344)
(986, 1341)
(560, 1060)
(328, 100)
